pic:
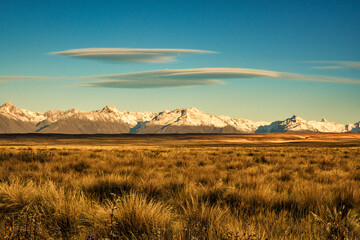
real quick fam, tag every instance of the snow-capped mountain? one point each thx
(192, 120)
(109, 120)
(11, 111)
(297, 124)
(15, 120)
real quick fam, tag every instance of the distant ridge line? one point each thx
(111, 121)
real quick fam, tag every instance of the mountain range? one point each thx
(109, 120)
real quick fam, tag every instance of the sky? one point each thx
(259, 60)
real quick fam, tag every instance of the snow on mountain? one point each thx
(16, 120)
(190, 120)
(110, 120)
(188, 116)
(325, 126)
(244, 125)
(131, 118)
(353, 127)
(11, 111)
(297, 124)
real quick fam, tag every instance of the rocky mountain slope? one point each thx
(109, 120)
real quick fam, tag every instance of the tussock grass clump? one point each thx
(57, 213)
(133, 215)
(205, 221)
(339, 223)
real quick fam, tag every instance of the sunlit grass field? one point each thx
(163, 188)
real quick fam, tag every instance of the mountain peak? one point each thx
(109, 109)
(190, 109)
(8, 106)
(324, 120)
(193, 109)
(295, 118)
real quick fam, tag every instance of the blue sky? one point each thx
(282, 36)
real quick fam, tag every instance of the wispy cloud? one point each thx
(151, 83)
(129, 55)
(317, 78)
(336, 65)
(26, 78)
(200, 76)
(328, 67)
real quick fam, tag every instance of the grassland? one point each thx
(279, 186)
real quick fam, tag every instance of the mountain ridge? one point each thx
(110, 120)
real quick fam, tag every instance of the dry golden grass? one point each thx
(177, 191)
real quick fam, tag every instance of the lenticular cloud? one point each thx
(129, 55)
(176, 77)
(197, 77)
(184, 78)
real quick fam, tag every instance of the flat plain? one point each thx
(250, 186)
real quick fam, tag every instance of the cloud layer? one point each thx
(184, 78)
(199, 76)
(337, 65)
(129, 55)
